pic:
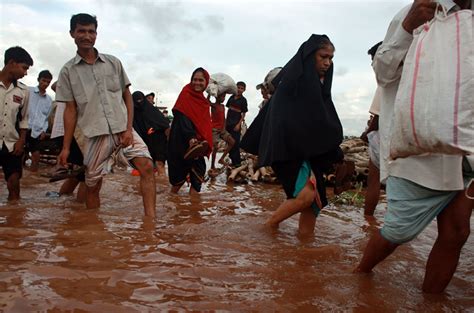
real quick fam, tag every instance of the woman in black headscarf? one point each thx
(302, 131)
(151, 125)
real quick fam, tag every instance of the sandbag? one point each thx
(434, 106)
(220, 83)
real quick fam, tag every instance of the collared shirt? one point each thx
(39, 108)
(434, 171)
(97, 90)
(13, 109)
(58, 123)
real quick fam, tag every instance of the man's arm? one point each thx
(70, 120)
(19, 146)
(126, 136)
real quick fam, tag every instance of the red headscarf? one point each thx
(195, 106)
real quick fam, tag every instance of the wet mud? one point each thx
(209, 252)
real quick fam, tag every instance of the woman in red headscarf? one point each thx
(191, 134)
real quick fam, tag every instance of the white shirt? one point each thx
(13, 108)
(39, 109)
(434, 171)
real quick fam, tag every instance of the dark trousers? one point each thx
(234, 153)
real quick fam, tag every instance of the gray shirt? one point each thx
(97, 90)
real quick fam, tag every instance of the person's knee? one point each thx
(13, 181)
(144, 166)
(305, 198)
(457, 235)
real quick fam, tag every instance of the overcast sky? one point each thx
(161, 42)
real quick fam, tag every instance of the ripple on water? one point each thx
(204, 253)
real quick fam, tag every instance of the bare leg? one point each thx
(175, 189)
(68, 186)
(230, 144)
(13, 186)
(147, 184)
(81, 193)
(453, 232)
(193, 191)
(373, 190)
(376, 251)
(292, 206)
(213, 157)
(35, 157)
(160, 167)
(307, 222)
(92, 195)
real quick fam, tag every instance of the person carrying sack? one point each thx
(419, 187)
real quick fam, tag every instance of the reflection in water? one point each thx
(204, 252)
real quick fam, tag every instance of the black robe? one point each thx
(146, 116)
(301, 122)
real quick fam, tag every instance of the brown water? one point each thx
(204, 253)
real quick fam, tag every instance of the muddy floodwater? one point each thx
(203, 253)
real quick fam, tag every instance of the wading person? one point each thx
(152, 126)
(191, 135)
(13, 112)
(218, 130)
(95, 88)
(371, 135)
(302, 132)
(74, 177)
(39, 108)
(237, 107)
(419, 188)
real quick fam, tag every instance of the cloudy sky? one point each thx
(161, 42)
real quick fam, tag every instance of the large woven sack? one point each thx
(434, 106)
(220, 83)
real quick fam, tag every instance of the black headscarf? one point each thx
(301, 122)
(146, 116)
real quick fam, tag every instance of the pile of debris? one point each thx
(354, 149)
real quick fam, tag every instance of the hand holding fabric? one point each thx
(420, 12)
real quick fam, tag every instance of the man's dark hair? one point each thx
(151, 94)
(372, 51)
(241, 84)
(45, 74)
(82, 19)
(18, 55)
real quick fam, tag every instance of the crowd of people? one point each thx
(297, 132)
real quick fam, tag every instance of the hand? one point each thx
(18, 148)
(42, 136)
(63, 156)
(150, 131)
(192, 141)
(126, 138)
(167, 133)
(420, 12)
(237, 127)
